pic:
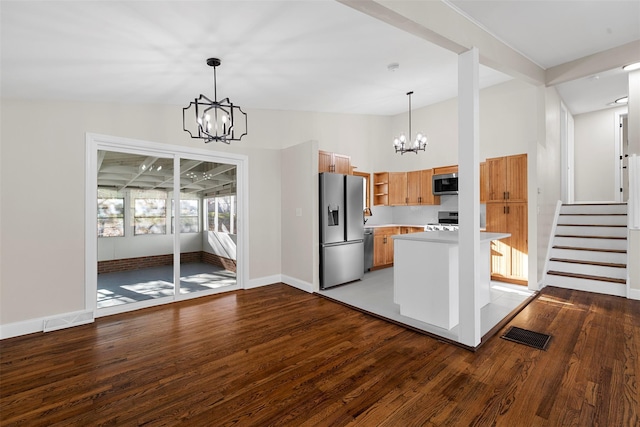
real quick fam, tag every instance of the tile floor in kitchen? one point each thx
(374, 294)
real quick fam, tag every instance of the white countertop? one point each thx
(449, 237)
(394, 225)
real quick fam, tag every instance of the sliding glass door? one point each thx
(135, 243)
(165, 226)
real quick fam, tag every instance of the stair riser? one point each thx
(586, 285)
(589, 270)
(594, 209)
(580, 242)
(592, 220)
(610, 257)
(592, 231)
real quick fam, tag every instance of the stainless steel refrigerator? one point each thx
(341, 229)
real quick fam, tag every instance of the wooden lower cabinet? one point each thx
(383, 246)
(383, 243)
(407, 230)
(509, 257)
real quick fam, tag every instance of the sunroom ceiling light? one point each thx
(632, 67)
(213, 120)
(401, 144)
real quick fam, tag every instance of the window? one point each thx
(110, 217)
(189, 209)
(221, 214)
(150, 216)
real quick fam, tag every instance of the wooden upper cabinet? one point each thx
(414, 187)
(445, 170)
(334, 162)
(325, 161)
(342, 164)
(397, 188)
(484, 182)
(497, 172)
(517, 178)
(404, 188)
(419, 188)
(507, 179)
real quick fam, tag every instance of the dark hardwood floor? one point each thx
(279, 356)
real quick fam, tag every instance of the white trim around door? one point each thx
(96, 142)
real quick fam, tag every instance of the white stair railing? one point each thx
(550, 245)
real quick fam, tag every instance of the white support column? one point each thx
(633, 121)
(469, 332)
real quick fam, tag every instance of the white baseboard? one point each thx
(46, 324)
(25, 327)
(280, 278)
(633, 294)
(297, 283)
(263, 281)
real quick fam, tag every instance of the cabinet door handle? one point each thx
(385, 239)
(508, 208)
(504, 209)
(508, 195)
(406, 200)
(504, 194)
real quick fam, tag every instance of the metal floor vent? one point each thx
(526, 337)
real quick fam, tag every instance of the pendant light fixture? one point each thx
(402, 145)
(214, 120)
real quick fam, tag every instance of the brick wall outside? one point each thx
(139, 263)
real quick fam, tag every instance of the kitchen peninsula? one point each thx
(425, 275)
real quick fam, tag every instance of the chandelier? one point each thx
(214, 120)
(402, 145)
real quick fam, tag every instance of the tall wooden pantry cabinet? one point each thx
(507, 209)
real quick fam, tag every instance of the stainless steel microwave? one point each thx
(445, 184)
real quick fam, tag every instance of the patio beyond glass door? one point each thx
(135, 243)
(207, 226)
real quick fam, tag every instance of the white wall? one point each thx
(299, 214)
(43, 214)
(595, 162)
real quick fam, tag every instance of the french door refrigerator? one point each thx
(341, 229)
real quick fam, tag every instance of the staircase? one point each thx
(589, 249)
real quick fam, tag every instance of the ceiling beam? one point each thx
(147, 162)
(594, 64)
(440, 23)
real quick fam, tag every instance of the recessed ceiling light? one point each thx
(632, 67)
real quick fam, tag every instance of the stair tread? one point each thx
(592, 214)
(592, 237)
(574, 248)
(596, 263)
(588, 277)
(594, 204)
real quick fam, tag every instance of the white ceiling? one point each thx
(315, 55)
